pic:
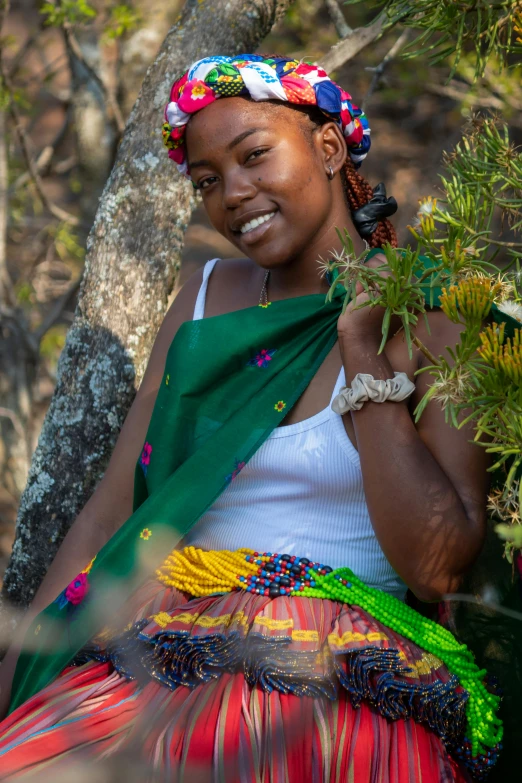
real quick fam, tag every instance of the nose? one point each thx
(237, 188)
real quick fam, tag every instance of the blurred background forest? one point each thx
(75, 69)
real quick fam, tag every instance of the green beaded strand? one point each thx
(484, 726)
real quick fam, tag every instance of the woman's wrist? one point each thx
(360, 355)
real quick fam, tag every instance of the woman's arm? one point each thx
(111, 503)
(425, 485)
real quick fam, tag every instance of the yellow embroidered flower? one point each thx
(264, 306)
(279, 406)
(88, 569)
(198, 92)
(146, 533)
(37, 630)
(224, 78)
(167, 379)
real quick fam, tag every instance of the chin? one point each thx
(272, 255)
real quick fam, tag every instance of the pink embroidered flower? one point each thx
(262, 358)
(239, 467)
(77, 590)
(145, 454)
(145, 457)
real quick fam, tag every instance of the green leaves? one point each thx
(448, 28)
(73, 11)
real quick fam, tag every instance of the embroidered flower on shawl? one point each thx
(262, 358)
(280, 405)
(146, 533)
(264, 306)
(77, 590)
(145, 457)
(167, 379)
(239, 467)
(74, 593)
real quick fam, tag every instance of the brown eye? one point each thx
(256, 154)
(205, 183)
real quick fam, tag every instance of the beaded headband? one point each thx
(261, 79)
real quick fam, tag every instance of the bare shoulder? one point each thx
(235, 283)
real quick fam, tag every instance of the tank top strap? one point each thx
(199, 308)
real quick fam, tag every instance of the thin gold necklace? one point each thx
(263, 299)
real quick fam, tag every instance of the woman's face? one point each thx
(263, 174)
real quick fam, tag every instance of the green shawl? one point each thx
(214, 409)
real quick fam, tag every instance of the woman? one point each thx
(235, 663)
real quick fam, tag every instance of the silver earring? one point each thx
(330, 173)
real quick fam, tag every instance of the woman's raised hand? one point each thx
(363, 326)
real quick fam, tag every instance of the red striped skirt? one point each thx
(241, 687)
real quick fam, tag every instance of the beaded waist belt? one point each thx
(202, 573)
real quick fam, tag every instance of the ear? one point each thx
(331, 146)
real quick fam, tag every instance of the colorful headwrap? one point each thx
(262, 79)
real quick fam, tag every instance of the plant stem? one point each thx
(426, 351)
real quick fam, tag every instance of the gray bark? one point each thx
(132, 262)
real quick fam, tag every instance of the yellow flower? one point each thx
(199, 91)
(279, 406)
(146, 533)
(471, 298)
(167, 380)
(504, 355)
(224, 78)
(265, 305)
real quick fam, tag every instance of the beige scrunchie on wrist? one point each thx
(364, 388)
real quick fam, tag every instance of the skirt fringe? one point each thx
(240, 687)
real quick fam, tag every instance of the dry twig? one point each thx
(353, 43)
(113, 109)
(379, 70)
(343, 29)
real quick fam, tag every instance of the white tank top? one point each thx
(301, 493)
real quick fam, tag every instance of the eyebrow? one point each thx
(229, 147)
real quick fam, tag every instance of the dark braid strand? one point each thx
(358, 192)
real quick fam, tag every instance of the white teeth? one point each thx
(256, 222)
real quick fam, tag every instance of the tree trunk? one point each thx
(132, 262)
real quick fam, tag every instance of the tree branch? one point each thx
(113, 109)
(379, 70)
(44, 159)
(57, 310)
(357, 40)
(343, 29)
(56, 211)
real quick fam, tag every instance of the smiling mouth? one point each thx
(255, 222)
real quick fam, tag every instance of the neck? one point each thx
(301, 276)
